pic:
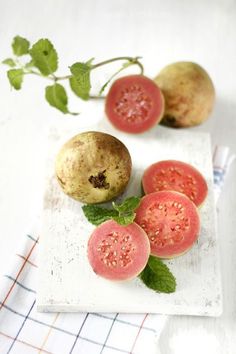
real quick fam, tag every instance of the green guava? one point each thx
(189, 94)
(93, 167)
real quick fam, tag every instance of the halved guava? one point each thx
(171, 222)
(118, 252)
(134, 104)
(177, 176)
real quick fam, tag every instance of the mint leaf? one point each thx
(44, 56)
(15, 77)
(20, 46)
(10, 62)
(89, 62)
(125, 219)
(122, 213)
(80, 80)
(157, 276)
(130, 204)
(97, 215)
(57, 97)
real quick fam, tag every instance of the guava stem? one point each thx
(52, 78)
(95, 97)
(133, 60)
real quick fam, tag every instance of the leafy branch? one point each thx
(43, 62)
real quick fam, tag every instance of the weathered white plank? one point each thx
(67, 282)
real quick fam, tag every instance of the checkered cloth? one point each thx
(23, 330)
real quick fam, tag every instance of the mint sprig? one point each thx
(42, 60)
(123, 213)
(157, 276)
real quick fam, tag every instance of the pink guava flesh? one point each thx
(118, 252)
(177, 176)
(134, 104)
(171, 222)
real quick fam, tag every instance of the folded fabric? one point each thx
(24, 330)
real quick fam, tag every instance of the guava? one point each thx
(118, 252)
(171, 222)
(189, 94)
(134, 104)
(93, 167)
(177, 176)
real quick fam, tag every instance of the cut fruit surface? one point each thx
(134, 104)
(171, 222)
(118, 252)
(177, 176)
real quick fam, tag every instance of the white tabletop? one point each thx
(161, 32)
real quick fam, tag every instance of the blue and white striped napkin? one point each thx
(25, 331)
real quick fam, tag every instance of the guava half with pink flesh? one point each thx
(177, 176)
(118, 252)
(171, 222)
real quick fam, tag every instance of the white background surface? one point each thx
(162, 32)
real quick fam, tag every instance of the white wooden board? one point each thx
(66, 280)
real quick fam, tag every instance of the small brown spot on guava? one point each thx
(99, 181)
(78, 143)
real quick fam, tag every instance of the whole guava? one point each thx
(189, 94)
(93, 167)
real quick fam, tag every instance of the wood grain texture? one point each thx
(66, 280)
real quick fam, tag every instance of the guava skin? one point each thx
(189, 94)
(117, 252)
(171, 221)
(93, 167)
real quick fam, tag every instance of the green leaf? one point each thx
(15, 77)
(130, 204)
(125, 219)
(10, 62)
(89, 62)
(80, 80)
(44, 56)
(20, 46)
(157, 276)
(122, 213)
(97, 215)
(57, 97)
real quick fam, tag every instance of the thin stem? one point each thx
(38, 74)
(55, 78)
(130, 59)
(59, 78)
(99, 97)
